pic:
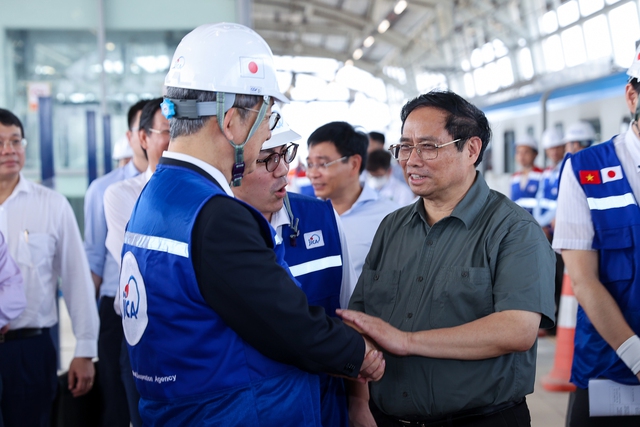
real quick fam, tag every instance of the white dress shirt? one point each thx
(119, 200)
(44, 240)
(349, 277)
(574, 229)
(12, 297)
(361, 222)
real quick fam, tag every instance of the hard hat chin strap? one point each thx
(238, 166)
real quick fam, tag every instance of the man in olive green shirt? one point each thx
(455, 286)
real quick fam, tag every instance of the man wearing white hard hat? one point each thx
(597, 231)
(545, 209)
(218, 331)
(579, 136)
(310, 234)
(525, 182)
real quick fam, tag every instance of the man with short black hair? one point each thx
(337, 157)
(44, 240)
(379, 177)
(455, 286)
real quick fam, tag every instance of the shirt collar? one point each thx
(215, 173)
(130, 170)
(632, 143)
(22, 187)
(280, 218)
(468, 208)
(366, 195)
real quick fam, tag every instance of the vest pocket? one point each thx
(615, 248)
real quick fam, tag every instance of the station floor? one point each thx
(548, 409)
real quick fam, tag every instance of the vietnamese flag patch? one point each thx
(590, 177)
(611, 174)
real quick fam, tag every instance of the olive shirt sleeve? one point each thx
(239, 278)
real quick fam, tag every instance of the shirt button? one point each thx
(376, 277)
(410, 315)
(429, 242)
(465, 274)
(405, 394)
(420, 278)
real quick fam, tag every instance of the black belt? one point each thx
(17, 334)
(460, 415)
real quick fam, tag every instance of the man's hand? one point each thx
(373, 365)
(359, 412)
(81, 375)
(386, 336)
(4, 329)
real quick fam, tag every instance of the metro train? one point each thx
(599, 102)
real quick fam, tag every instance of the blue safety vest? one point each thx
(313, 252)
(526, 197)
(616, 222)
(550, 183)
(189, 366)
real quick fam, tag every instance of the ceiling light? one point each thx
(368, 41)
(400, 7)
(384, 26)
(357, 54)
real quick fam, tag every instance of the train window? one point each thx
(509, 151)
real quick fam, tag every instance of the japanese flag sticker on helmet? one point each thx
(225, 57)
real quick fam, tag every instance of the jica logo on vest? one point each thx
(313, 239)
(131, 298)
(134, 299)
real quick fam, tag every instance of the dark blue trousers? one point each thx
(28, 371)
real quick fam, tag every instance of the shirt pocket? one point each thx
(615, 248)
(380, 292)
(461, 295)
(35, 256)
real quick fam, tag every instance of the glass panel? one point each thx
(568, 13)
(504, 71)
(623, 22)
(587, 7)
(596, 37)
(553, 56)
(525, 63)
(573, 45)
(548, 22)
(480, 79)
(469, 87)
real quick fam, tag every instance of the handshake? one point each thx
(373, 365)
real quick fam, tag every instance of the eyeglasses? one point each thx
(274, 117)
(324, 166)
(287, 154)
(15, 143)
(164, 132)
(426, 150)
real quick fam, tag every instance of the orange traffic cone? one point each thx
(558, 378)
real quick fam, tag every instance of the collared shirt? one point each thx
(349, 278)
(95, 229)
(361, 222)
(12, 297)
(119, 200)
(574, 228)
(488, 256)
(44, 240)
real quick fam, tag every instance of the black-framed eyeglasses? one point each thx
(274, 117)
(323, 166)
(425, 150)
(16, 143)
(288, 153)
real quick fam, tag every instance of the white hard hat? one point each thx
(634, 69)
(224, 57)
(282, 134)
(551, 138)
(527, 141)
(122, 149)
(580, 131)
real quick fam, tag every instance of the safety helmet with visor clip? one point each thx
(228, 59)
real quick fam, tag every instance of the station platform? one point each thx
(548, 409)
